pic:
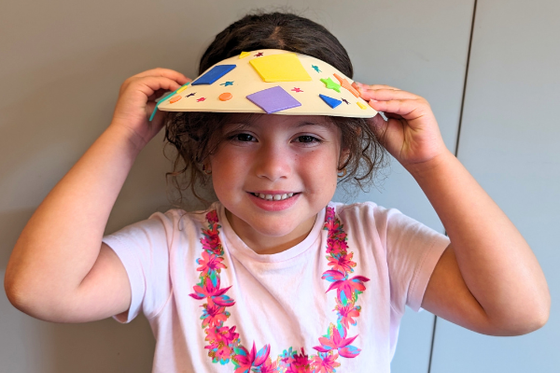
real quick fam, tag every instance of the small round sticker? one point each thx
(174, 99)
(225, 96)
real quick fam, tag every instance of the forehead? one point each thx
(272, 120)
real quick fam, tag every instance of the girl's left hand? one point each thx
(411, 133)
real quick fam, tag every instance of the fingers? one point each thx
(407, 109)
(138, 93)
(383, 92)
(151, 84)
(393, 102)
(167, 73)
(156, 79)
(374, 86)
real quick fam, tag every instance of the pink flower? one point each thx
(246, 359)
(337, 342)
(211, 242)
(221, 335)
(300, 364)
(343, 263)
(346, 314)
(213, 316)
(329, 214)
(286, 358)
(212, 216)
(212, 293)
(224, 353)
(336, 247)
(325, 363)
(269, 367)
(344, 285)
(209, 263)
(219, 352)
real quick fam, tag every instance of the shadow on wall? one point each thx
(11, 225)
(116, 348)
(103, 346)
(29, 345)
(49, 117)
(52, 114)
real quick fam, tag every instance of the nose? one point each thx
(273, 162)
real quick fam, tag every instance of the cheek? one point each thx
(223, 172)
(320, 169)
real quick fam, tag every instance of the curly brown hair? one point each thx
(196, 136)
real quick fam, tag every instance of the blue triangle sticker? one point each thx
(332, 102)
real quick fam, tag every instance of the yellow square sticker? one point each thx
(280, 68)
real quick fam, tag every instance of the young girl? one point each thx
(274, 277)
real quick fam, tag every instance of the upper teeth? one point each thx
(274, 197)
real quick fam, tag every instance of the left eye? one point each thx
(307, 139)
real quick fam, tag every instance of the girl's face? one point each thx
(273, 174)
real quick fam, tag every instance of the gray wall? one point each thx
(510, 142)
(62, 63)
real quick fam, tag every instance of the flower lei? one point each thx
(224, 344)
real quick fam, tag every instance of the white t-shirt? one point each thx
(204, 299)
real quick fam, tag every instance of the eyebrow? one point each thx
(307, 123)
(250, 121)
(325, 123)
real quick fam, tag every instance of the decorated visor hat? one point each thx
(270, 81)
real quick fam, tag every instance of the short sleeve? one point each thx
(143, 248)
(405, 251)
(413, 251)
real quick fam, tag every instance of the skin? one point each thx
(272, 155)
(488, 280)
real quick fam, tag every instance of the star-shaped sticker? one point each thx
(316, 68)
(190, 94)
(227, 83)
(344, 83)
(201, 99)
(296, 89)
(260, 54)
(330, 84)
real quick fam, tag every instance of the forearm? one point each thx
(495, 261)
(61, 241)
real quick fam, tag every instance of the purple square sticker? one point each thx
(273, 99)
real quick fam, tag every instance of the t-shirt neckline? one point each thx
(238, 248)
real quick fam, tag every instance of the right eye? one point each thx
(243, 137)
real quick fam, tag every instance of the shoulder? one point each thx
(159, 228)
(180, 219)
(389, 225)
(367, 214)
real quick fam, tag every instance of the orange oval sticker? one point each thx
(225, 96)
(174, 99)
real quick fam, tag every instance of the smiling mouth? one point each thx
(273, 197)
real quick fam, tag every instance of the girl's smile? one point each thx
(273, 174)
(274, 201)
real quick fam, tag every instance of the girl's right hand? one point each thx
(136, 103)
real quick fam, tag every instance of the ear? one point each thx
(344, 158)
(207, 168)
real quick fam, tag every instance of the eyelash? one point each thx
(246, 137)
(309, 139)
(238, 136)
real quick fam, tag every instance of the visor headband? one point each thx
(270, 81)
